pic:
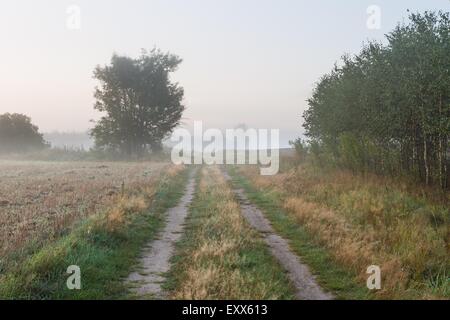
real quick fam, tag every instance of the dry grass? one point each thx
(105, 245)
(125, 205)
(222, 249)
(370, 220)
(350, 247)
(41, 200)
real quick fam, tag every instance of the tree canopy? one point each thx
(18, 134)
(141, 103)
(388, 108)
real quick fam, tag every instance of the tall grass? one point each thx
(366, 220)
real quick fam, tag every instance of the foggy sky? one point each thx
(245, 61)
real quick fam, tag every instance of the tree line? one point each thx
(18, 134)
(387, 109)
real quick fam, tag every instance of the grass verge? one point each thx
(104, 246)
(220, 256)
(330, 275)
(363, 220)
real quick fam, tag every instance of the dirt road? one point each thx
(155, 261)
(146, 282)
(304, 282)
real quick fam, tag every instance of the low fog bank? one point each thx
(69, 140)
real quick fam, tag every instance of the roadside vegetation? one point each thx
(105, 246)
(220, 256)
(351, 221)
(386, 110)
(370, 185)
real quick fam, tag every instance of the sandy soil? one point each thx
(156, 256)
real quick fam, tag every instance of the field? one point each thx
(226, 240)
(362, 220)
(40, 201)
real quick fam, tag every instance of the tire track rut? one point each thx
(156, 255)
(299, 273)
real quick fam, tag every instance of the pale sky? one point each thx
(245, 61)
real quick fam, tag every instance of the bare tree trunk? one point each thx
(441, 167)
(416, 158)
(445, 160)
(425, 145)
(440, 152)
(425, 159)
(415, 155)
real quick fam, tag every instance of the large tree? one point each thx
(18, 134)
(141, 103)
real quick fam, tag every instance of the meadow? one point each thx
(100, 215)
(359, 220)
(41, 201)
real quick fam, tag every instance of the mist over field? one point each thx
(229, 156)
(75, 140)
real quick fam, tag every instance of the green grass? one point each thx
(330, 276)
(104, 257)
(260, 275)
